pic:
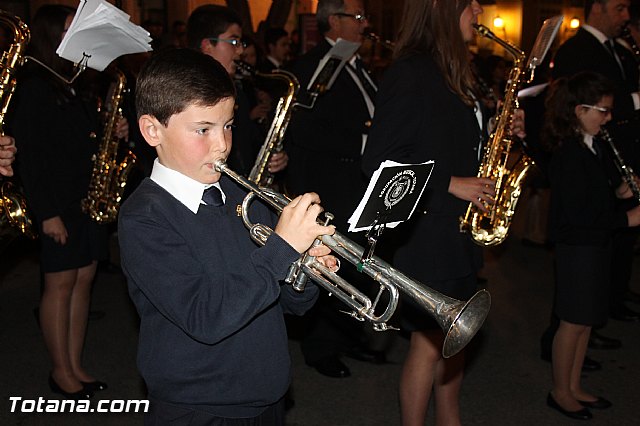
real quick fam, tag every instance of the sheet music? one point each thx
(102, 32)
(332, 63)
(394, 190)
(532, 90)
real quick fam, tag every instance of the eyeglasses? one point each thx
(603, 110)
(358, 17)
(232, 41)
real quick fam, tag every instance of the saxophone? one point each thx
(108, 178)
(273, 142)
(490, 228)
(14, 207)
(627, 173)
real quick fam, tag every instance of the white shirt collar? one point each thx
(588, 141)
(596, 33)
(181, 187)
(331, 41)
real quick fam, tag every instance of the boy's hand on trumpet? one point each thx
(298, 225)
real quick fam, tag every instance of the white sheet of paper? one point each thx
(532, 91)
(342, 50)
(102, 32)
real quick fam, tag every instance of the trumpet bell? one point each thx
(463, 322)
(458, 319)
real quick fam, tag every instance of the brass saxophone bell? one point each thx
(15, 210)
(13, 201)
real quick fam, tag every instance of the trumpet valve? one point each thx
(328, 217)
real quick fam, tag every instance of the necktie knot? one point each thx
(212, 196)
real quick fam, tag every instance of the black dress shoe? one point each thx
(599, 403)
(367, 355)
(81, 394)
(598, 341)
(331, 366)
(583, 414)
(94, 386)
(622, 313)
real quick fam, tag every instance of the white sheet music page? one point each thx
(332, 63)
(102, 32)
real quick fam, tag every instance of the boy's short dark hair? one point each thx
(209, 21)
(174, 79)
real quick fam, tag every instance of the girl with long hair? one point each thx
(426, 109)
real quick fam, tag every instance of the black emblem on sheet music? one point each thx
(392, 195)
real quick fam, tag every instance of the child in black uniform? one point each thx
(213, 345)
(581, 221)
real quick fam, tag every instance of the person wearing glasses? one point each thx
(325, 144)
(217, 31)
(582, 219)
(595, 48)
(605, 20)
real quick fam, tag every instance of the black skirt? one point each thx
(582, 283)
(86, 242)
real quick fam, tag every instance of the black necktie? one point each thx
(212, 196)
(366, 83)
(611, 47)
(597, 148)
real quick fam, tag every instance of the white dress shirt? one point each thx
(182, 188)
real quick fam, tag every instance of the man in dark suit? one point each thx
(325, 145)
(594, 48)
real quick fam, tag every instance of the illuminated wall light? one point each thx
(498, 22)
(574, 23)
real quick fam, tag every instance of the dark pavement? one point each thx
(506, 382)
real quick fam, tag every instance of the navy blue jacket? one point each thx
(212, 332)
(582, 208)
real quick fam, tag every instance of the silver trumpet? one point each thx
(459, 320)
